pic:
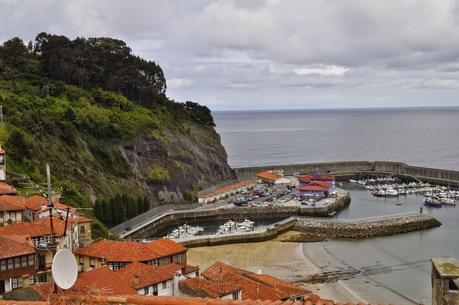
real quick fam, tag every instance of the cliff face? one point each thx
(192, 159)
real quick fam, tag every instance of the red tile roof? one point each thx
(227, 188)
(11, 247)
(254, 286)
(12, 203)
(130, 251)
(207, 288)
(140, 275)
(322, 183)
(160, 300)
(268, 176)
(37, 228)
(101, 281)
(6, 189)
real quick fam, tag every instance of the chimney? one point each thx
(136, 279)
(259, 271)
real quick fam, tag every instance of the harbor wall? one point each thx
(357, 169)
(224, 214)
(322, 229)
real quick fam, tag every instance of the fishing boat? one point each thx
(432, 202)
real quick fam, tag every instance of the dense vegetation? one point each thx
(119, 208)
(78, 104)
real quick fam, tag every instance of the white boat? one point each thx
(391, 192)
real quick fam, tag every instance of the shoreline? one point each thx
(286, 260)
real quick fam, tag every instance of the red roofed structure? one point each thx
(154, 280)
(118, 254)
(6, 189)
(205, 288)
(101, 281)
(224, 191)
(255, 286)
(17, 261)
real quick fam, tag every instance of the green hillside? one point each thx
(100, 116)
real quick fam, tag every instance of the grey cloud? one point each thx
(244, 54)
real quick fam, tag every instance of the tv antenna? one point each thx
(64, 269)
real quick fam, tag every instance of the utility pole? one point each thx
(1, 116)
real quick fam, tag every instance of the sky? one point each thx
(270, 54)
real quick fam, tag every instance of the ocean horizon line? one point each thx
(338, 109)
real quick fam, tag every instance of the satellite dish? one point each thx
(64, 269)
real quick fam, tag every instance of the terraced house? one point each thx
(17, 262)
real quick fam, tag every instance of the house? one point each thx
(204, 288)
(255, 286)
(155, 280)
(40, 233)
(102, 281)
(118, 254)
(11, 209)
(225, 191)
(316, 186)
(17, 262)
(273, 178)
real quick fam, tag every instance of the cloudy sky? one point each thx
(269, 54)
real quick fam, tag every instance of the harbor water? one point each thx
(393, 269)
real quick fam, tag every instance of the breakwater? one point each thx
(358, 169)
(322, 229)
(157, 224)
(365, 227)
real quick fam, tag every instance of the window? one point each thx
(31, 280)
(92, 262)
(17, 262)
(3, 265)
(164, 285)
(42, 277)
(82, 229)
(31, 260)
(145, 290)
(16, 282)
(10, 264)
(236, 295)
(24, 261)
(41, 261)
(155, 289)
(1, 214)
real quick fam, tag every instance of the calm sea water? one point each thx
(423, 137)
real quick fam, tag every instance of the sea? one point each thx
(394, 269)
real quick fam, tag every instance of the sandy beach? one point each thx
(285, 260)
